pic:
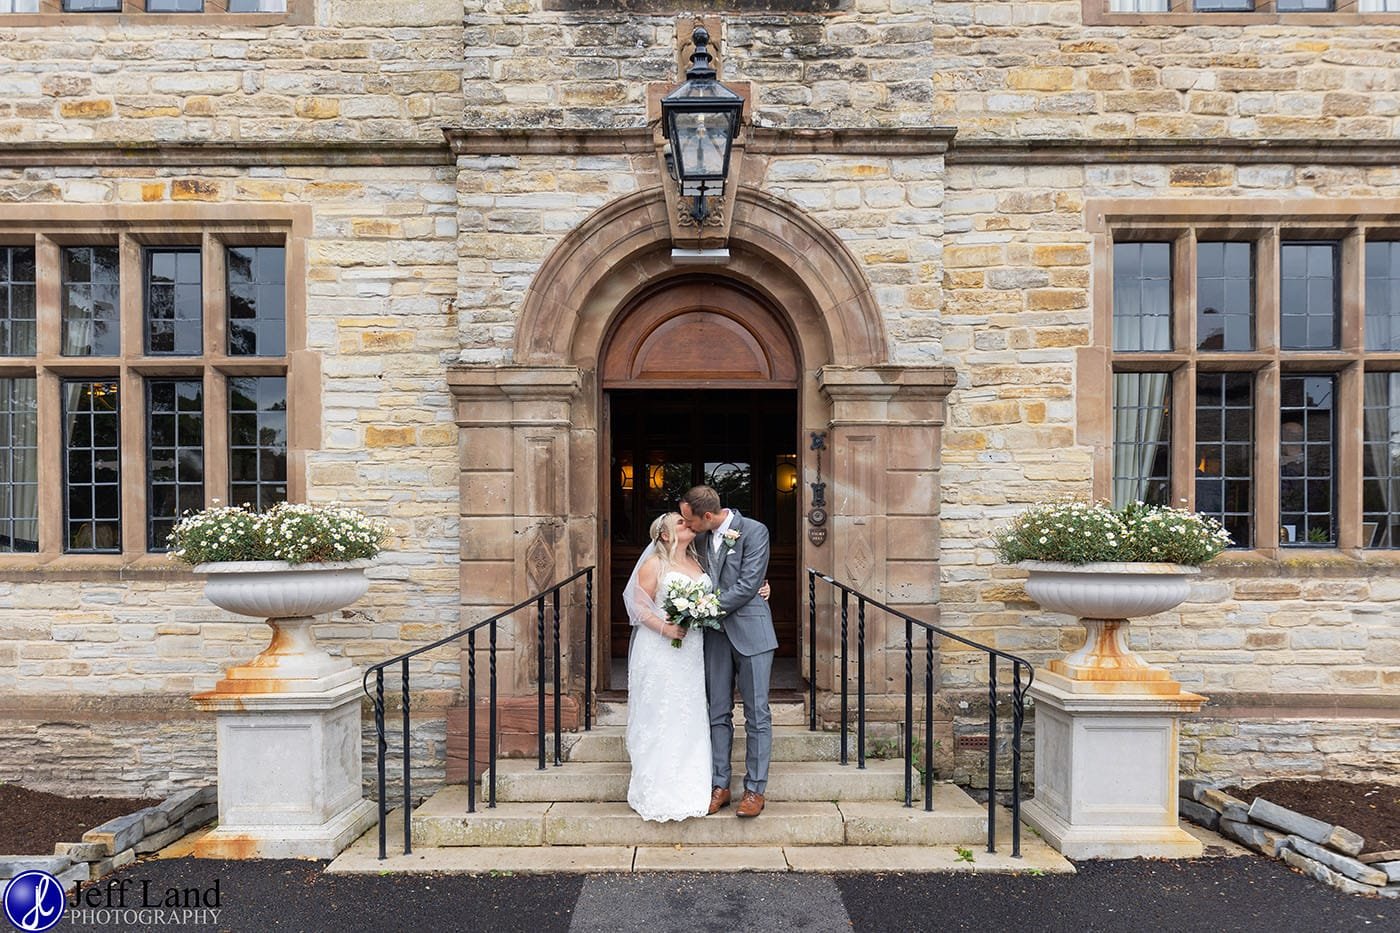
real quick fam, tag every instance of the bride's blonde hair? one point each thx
(663, 535)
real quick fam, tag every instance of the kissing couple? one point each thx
(680, 701)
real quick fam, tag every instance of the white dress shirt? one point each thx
(717, 536)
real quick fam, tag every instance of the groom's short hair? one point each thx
(702, 500)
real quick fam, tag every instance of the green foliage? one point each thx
(1074, 531)
(298, 534)
(964, 854)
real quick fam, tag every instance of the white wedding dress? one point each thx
(668, 720)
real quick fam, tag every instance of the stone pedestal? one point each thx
(1106, 767)
(289, 773)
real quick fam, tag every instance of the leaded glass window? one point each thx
(257, 301)
(174, 455)
(17, 300)
(1142, 296)
(1141, 438)
(1225, 296)
(92, 466)
(1380, 516)
(174, 302)
(257, 441)
(1225, 452)
(1307, 497)
(91, 297)
(1308, 298)
(19, 465)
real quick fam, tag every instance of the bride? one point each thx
(668, 721)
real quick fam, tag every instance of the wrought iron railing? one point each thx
(1018, 697)
(492, 625)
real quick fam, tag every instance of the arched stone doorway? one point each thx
(699, 379)
(533, 432)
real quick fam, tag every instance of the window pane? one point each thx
(1380, 496)
(174, 6)
(1308, 300)
(91, 467)
(1138, 6)
(174, 454)
(16, 301)
(1142, 296)
(174, 302)
(257, 441)
(1383, 296)
(257, 301)
(1141, 438)
(1224, 6)
(1225, 296)
(257, 6)
(19, 6)
(90, 297)
(19, 466)
(1303, 6)
(1378, 6)
(92, 6)
(1306, 464)
(1224, 453)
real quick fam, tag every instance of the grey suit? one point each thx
(742, 649)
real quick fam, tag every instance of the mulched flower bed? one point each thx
(35, 821)
(1368, 808)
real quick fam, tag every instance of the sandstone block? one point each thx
(119, 834)
(81, 851)
(97, 109)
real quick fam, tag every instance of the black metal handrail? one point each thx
(377, 698)
(1018, 698)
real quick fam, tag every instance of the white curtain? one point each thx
(257, 6)
(21, 401)
(1378, 6)
(1383, 427)
(1137, 6)
(1139, 424)
(19, 6)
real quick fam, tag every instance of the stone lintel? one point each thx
(475, 388)
(222, 153)
(761, 140)
(973, 151)
(902, 396)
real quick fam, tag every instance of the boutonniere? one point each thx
(731, 538)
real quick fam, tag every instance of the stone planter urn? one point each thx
(289, 719)
(1104, 597)
(1107, 723)
(288, 597)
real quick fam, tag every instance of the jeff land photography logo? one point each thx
(34, 901)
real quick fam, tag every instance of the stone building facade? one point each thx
(926, 220)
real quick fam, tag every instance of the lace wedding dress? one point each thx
(668, 722)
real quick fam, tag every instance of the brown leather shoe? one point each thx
(750, 805)
(719, 799)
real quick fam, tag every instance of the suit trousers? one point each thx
(723, 666)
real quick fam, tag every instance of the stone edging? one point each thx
(1331, 854)
(116, 843)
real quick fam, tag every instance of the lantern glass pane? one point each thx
(702, 139)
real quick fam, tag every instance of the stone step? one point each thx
(785, 713)
(520, 780)
(790, 743)
(442, 820)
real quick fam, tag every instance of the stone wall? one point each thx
(84, 655)
(362, 70)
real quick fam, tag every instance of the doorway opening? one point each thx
(743, 442)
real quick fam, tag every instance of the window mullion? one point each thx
(216, 437)
(215, 298)
(133, 461)
(1184, 294)
(132, 275)
(50, 412)
(48, 298)
(1266, 467)
(1183, 427)
(1350, 414)
(1353, 288)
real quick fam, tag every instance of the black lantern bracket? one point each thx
(701, 120)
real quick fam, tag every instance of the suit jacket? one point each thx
(738, 573)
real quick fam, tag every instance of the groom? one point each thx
(734, 552)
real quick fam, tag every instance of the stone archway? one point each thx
(531, 431)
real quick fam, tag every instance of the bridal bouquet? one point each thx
(690, 604)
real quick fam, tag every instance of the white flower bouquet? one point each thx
(297, 534)
(690, 604)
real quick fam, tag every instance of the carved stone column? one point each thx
(884, 440)
(515, 448)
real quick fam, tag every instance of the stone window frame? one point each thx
(1268, 223)
(51, 13)
(1181, 13)
(132, 227)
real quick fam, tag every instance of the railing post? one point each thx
(588, 649)
(471, 722)
(1018, 719)
(991, 753)
(812, 648)
(845, 673)
(558, 687)
(539, 672)
(908, 713)
(860, 682)
(928, 719)
(492, 740)
(383, 748)
(407, 772)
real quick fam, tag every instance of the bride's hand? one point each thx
(765, 590)
(673, 631)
